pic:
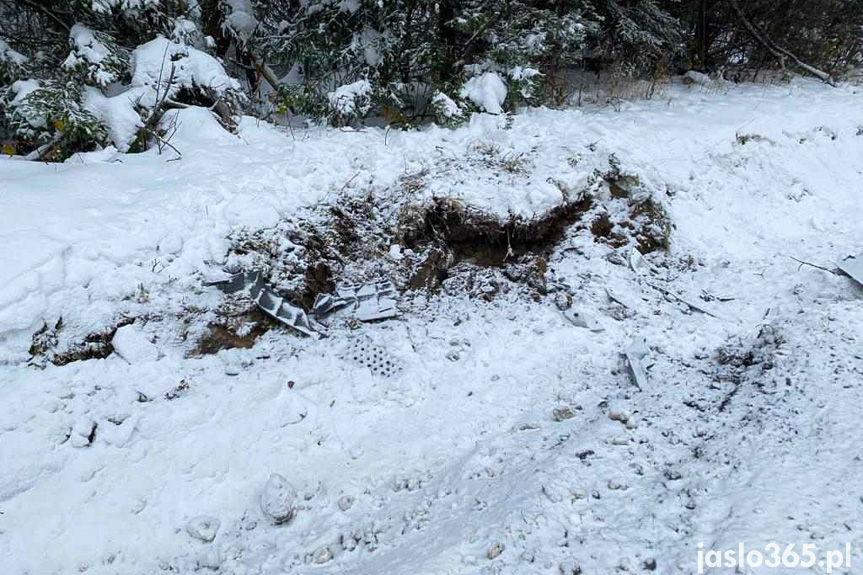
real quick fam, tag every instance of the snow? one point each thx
(448, 108)
(86, 44)
(487, 91)
(152, 63)
(117, 113)
(194, 124)
(512, 441)
(700, 79)
(203, 527)
(7, 54)
(90, 52)
(522, 73)
(22, 89)
(185, 31)
(370, 42)
(241, 18)
(106, 6)
(695, 77)
(279, 500)
(133, 346)
(351, 99)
